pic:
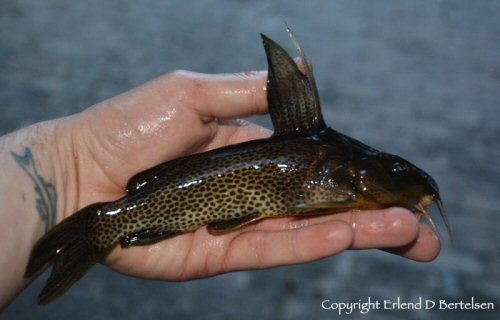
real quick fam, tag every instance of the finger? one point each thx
(236, 131)
(392, 227)
(224, 96)
(425, 248)
(248, 131)
(261, 249)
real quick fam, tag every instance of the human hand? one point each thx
(182, 113)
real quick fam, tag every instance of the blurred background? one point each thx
(416, 78)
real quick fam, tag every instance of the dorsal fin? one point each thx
(292, 96)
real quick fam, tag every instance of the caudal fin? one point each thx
(66, 247)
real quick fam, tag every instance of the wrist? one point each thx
(40, 157)
(37, 182)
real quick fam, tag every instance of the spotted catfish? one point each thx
(304, 168)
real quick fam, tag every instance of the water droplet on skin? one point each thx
(154, 248)
(152, 126)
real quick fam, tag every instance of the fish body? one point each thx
(280, 176)
(257, 179)
(304, 168)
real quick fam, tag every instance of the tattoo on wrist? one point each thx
(46, 201)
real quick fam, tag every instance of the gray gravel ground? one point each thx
(416, 78)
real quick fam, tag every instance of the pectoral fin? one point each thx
(292, 96)
(145, 237)
(326, 206)
(226, 226)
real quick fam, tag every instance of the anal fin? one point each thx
(145, 237)
(226, 226)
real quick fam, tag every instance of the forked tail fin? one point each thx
(66, 246)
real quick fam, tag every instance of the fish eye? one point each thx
(362, 172)
(398, 167)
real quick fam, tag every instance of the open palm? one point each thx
(182, 113)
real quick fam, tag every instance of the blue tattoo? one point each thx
(46, 202)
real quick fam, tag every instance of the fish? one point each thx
(305, 168)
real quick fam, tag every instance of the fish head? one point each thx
(382, 180)
(390, 180)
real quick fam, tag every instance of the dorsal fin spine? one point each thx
(292, 96)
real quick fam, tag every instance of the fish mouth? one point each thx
(421, 211)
